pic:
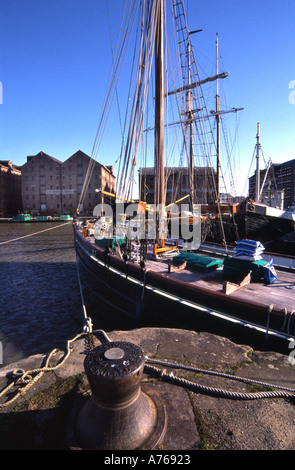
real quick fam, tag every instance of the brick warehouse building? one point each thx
(52, 187)
(10, 188)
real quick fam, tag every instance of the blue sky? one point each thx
(55, 58)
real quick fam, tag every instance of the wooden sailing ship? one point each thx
(137, 281)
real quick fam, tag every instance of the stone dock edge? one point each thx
(39, 418)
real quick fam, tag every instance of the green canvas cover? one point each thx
(198, 262)
(235, 269)
(112, 243)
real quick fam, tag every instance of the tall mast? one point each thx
(159, 107)
(190, 117)
(217, 125)
(257, 188)
(159, 122)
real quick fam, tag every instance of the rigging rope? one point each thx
(129, 159)
(123, 39)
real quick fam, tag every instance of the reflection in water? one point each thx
(40, 304)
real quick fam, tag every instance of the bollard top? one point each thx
(113, 360)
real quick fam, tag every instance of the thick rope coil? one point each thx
(219, 392)
(282, 392)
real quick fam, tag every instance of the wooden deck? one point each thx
(281, 293)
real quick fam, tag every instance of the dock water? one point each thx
(40, 304)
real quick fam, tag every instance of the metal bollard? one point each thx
(119, 415)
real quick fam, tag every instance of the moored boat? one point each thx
(129, 294)
(136, 276)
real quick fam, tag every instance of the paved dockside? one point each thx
(196, 418)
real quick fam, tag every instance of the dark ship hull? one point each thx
(263, 223)
(124, 296)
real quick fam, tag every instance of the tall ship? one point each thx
(141, 258)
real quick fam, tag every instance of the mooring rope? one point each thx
(87, 320)
(22, 377)
(35, 233)
(282, 392)
(26, 378)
